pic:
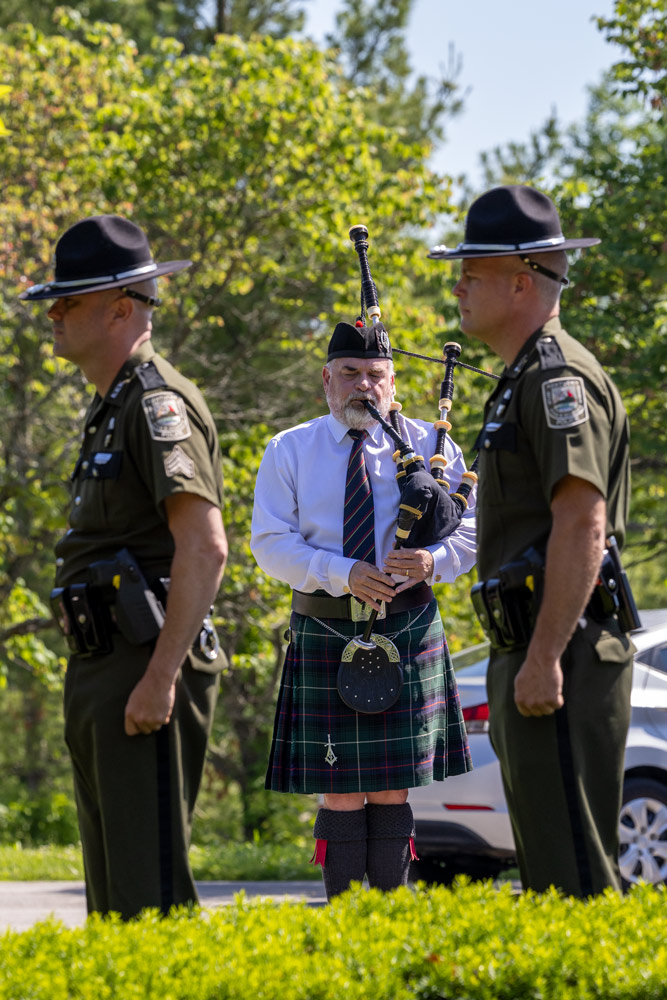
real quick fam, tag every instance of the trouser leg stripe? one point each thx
(165, 846)
(568, 776)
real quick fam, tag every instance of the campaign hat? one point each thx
(508, 220)
(349, 341)
(103, 251)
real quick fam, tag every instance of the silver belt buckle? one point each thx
(361, 612)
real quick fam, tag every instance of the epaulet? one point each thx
(149, 376)
(550, 353)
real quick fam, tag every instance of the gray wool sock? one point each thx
(345, 858)
(390, 829)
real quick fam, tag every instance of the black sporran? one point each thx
(370, 677)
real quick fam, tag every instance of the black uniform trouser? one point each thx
(563, 773)
(135, 794)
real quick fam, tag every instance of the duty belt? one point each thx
(506, 614)
(507, 605)
(118, 599)
(322, 605)
(89, 623)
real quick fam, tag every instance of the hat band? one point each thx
(121, 276)
(533, 245)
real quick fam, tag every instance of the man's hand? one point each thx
(416, 564)
(538, 687)
(200, 552)
(370, 584)
(574, 551)
(149, 706)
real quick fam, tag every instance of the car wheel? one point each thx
(643, 832)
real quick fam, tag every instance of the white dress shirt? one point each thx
(297, 522)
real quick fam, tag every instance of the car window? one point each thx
(655, 656)
(474, 657)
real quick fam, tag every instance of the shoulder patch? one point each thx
(149, 376)
(550, 353)
(176, 461)
(565, 402)
(166, 415)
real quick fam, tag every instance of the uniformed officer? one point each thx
(554, 485)
(145, 531)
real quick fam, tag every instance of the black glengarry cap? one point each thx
(349, 341)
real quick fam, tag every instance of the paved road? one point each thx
(22, 904)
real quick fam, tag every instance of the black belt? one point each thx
(324, 606)
(86, 616)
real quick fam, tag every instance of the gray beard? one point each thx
(352, 414)
(355, 417)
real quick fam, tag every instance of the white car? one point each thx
(462, 823)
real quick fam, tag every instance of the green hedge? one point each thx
(471, 942)
(246, 862)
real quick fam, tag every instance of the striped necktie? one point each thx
(358, 518)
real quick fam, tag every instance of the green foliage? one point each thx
(31, 819)
(142, 18)
(223, 861)
(252, 159)
(523, 162)
(618, 305)
(371, 39)
(3, 91)
(640, 28)
(253, 861)
(233, 804)
(36, 800)
(193, 22)
(278, 18)
(20, 646)
(473, 942)
(40, 864)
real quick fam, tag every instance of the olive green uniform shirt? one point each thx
(554, 413)
(152, 436)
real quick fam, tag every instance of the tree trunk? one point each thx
(221, 18)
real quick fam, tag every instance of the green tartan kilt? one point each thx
(321, 745)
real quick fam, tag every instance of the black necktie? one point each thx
(358, 518)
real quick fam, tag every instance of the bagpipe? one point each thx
(370, 677)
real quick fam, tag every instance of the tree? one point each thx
(194, 23)
(253, 160)
(371, 39)
(278, 18)
(640, 27)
